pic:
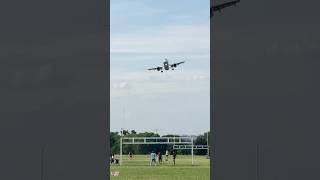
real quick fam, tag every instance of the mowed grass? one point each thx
(139, 168)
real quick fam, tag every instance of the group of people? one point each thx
(158, 157)
(154, 158)
(114, 160)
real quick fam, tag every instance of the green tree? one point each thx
(125, 132)
(201, 140)
(147, 148)
(114, 142)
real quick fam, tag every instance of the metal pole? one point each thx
(192, 149)
(120, 151)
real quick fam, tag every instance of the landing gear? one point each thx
(172, 69)
(161, 71)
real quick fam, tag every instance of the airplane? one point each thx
(167, 66)
(221, 6)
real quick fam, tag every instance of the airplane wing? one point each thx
(157, 68)
(176, 64)
(222, 6)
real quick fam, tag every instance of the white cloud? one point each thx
(120, 85)
(124, 12)
(154, 83)
(168, 40)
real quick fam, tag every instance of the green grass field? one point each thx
(139, 169)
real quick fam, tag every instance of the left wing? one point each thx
(221, 6)
(157, 68)
(176, 64)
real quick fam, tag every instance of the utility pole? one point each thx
(124, 115)
(121, 135)
(121, 151)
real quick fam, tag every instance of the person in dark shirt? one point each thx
(130, 155)
(112, 159)
(174, 155)
(159, 157)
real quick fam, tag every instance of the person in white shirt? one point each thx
(153, 157)
(167, 155)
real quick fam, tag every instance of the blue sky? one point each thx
(143, 33)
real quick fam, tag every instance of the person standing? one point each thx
(153, 158)
(167, 155)
(112, 159)
(130, 155)
(159, 157)
(174, 155)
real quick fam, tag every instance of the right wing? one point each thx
(222, 6)
(157, 68)
(176, 64)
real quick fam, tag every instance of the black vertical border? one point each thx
(212, 130)
(107, 5)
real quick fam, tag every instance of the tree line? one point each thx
(147, 148)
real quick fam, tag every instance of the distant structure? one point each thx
(186, 142)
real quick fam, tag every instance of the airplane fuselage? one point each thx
(166, 65)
